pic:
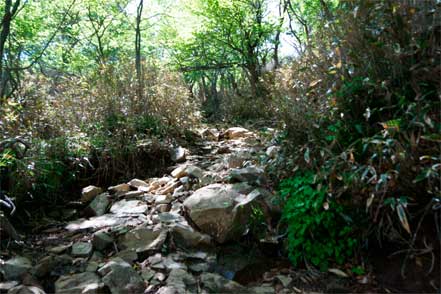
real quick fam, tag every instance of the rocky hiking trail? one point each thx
(185, 232)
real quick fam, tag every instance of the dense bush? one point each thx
(365, 119)
(92, 129)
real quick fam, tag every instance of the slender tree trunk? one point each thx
(138, 65)
(282, 9)
(9, 12)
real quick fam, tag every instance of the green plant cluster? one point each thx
(365, 125)
(319, 230)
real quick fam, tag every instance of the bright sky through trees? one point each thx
(185, 22)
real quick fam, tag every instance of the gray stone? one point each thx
(127, 207)
(215, 283)
(5, 286)
(7, 230)
(171, 264)
(101, 240)
(248, 174)
(163, 199)
(163, 208)
(96, 256)
(120, 277)
(194, 171)
(60, 248)
(286, 281)
(142, 240)
(128, 255)
(272, 151)
(263, 290)
(15, 267)
(89, 193)
(44, 266)
(99, 205)
(82, 283)
(235, 160)
(185, 236)
(170, 217)
(107, 220)
(22, 289)
(269, 199)
(168, 290)
(199, 267)
(220, 210)
(179, 191)
(177, 154)
(182, 281)
(82, 249)
(131, 194)
(92, 266)
(147, 274)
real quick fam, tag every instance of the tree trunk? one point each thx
(253, 78)
(9, 12)
(138, 65)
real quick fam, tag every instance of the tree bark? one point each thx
(138, 65)
(9, 12)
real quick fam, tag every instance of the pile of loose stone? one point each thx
(160, 235)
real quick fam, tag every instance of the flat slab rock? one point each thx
(129, 207)
(107, 220)
(142, 240)
(86, 282)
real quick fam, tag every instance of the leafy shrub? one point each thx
(318, 229)
(366, 117)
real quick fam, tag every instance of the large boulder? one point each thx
(120, 277)
(220, 210)
(15, 267)
(83, 283)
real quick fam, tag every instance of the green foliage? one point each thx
(257, 222)
(317, 231)
(366, 117)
